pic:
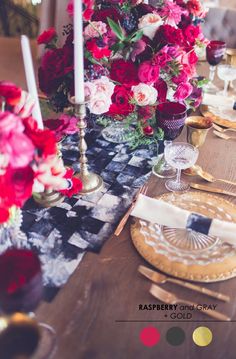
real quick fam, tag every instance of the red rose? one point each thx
(76, 184)
(192, 58)
(98, 48)
(124, 72)
(148, 72)
(20, 182)
(161, 88)
(10, 92)
(47, 36)
(121, 102)
(44, 140)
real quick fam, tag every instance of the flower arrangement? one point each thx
(28, 155)
(136, 56)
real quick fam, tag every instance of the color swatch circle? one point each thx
(202, 336)
(175, 336)
(149, 336)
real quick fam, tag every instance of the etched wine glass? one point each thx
(162, 169)
(215, 51)
(21, 290)
(226, 73)
(180, 155)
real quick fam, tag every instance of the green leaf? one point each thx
(116, 28)
(118, 46)
(137, 36)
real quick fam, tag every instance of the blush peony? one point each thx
(144, 94)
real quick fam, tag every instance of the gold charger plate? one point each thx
(215, 263)
(206, 111)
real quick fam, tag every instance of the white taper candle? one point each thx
(78, 51)
(30, 79)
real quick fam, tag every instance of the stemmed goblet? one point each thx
(226, 73)
(180, 155)
(21, 290)
(215, 51)
(162, 169)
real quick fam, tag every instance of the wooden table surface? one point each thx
(107, 288)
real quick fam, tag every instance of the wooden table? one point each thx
(107, 287)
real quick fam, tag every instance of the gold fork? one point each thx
(222, 135)
(197, 170)
(124, 219)
(222, 130)
(170, 298)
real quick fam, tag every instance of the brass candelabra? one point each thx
(91, 181)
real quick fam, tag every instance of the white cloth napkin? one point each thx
(163, 213)
(218, 100)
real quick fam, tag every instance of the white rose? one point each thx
(100, 103)
(144, 94)
(104, 85)
(149, 24)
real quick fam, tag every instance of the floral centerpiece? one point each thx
(136, 56)
(28, 155)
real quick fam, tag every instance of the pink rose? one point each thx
(100, 103)
(9, 122)
(95, 29)
(183, 91)
(144, 94)
(148, 73)
(18, 148)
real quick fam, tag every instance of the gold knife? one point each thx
(211, 189)
(161, 278)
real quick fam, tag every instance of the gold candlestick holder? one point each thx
(91, 181)
(48, 198)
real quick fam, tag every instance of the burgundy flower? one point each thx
(102, 15)
(161, 88)
(47, 36)
(124, 72)
(147, 53)
(143, 9)
(148, 130)
(145, 112)
(121, 102)
(167, 34)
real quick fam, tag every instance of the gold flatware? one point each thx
(222, 130)
(223, 136)
(211, 189)
(197, 170)
(124, 219)
(170, 298)
(161, 278)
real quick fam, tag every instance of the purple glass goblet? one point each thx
(215, 51)
(171, 117)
